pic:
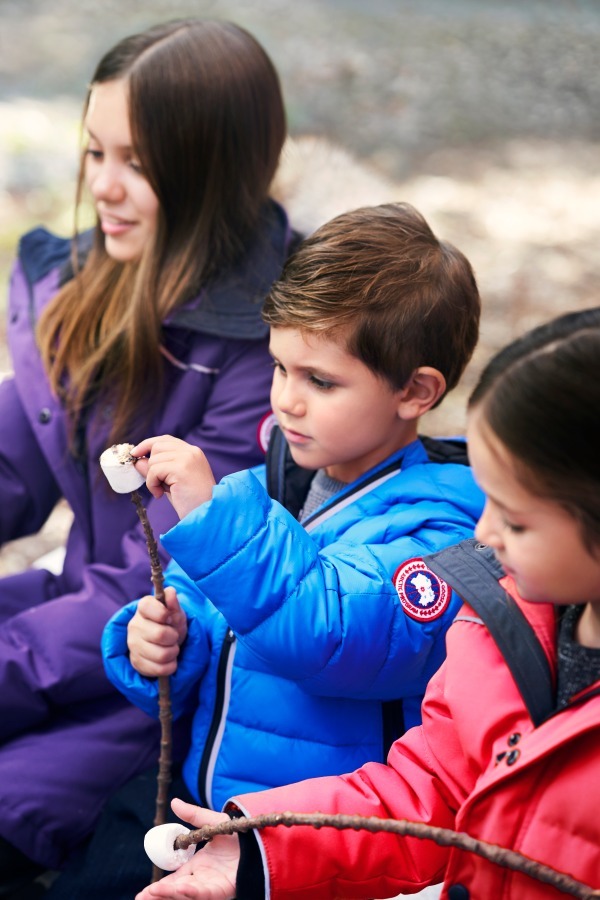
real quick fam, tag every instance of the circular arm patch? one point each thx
(423, 595)
(263, 432)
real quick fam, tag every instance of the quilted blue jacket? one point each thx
(307, 652)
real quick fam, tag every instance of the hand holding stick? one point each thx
(164, 699)
(118, 465)
(172, 846)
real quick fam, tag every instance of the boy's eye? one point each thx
(278, 366)
(321, 384)
(94, 153)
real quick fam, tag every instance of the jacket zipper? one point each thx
(214, 737)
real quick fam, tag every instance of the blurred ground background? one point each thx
(483, 113)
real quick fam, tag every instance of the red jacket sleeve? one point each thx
(425, 780)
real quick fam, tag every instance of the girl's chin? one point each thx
(121, 251)
(529, 596)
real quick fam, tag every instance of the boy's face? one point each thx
(334, 412)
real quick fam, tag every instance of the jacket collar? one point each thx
(289, 483)
(229, 306)
(40, 252)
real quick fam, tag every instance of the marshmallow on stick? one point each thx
(118, 465)
(159, 845)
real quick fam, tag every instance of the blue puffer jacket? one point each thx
(313, 652)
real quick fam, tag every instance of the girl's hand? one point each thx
(211, 873)
(155, 634)
(177, 469)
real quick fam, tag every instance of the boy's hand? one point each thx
(211, 873)
(177, 469)
(155, 634)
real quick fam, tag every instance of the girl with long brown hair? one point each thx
(148, 323)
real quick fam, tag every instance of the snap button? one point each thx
(512, 757)
(481, 546)
(514, 739)
(458, 892)
(44, 416)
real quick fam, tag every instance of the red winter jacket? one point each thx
(477, 765)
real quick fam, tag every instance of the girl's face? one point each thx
(537, 541)
(334, 412)
(126, 204)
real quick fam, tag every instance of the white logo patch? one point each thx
(423, 595)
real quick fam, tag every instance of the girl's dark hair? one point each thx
(379, 275)
(208, 124)
(540, 397)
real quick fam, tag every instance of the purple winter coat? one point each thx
(67, 737)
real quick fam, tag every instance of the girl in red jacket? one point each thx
(482, 762)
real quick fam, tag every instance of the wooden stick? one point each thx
(165, 712)
(444, 837)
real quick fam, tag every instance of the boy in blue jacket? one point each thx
(301, 625)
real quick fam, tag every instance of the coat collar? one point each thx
(229, 306)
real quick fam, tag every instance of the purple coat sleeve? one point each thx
(50, 650)
(28, 490)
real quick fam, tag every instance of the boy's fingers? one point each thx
(142, 464)
(154, 611)
(150, 669)
(171, 600)
(153, 633)
(144, 448)
(155, 481)
(160, 654)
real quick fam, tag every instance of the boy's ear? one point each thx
(424, 388)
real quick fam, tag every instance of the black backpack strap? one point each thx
(286, 481)
(446, 450)
(472, 570)
(275, 462)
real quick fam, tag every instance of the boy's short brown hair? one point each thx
(397, 296)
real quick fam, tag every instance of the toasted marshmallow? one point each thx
(118, 465)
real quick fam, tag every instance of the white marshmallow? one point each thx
(158, 845)
(118, 466)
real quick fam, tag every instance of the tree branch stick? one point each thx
(165, 713)
(444, 837)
